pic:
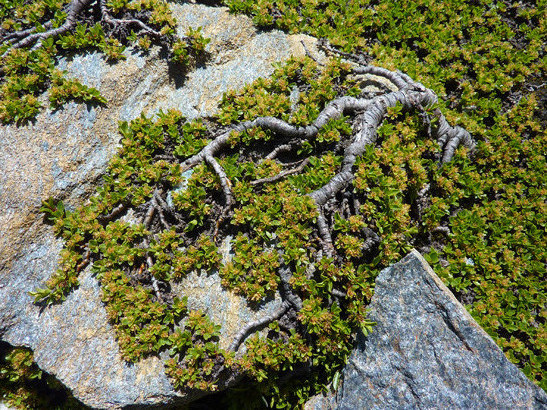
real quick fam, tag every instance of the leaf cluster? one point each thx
(195, 354)
(481, 57)
(23, 385)
(26, 74)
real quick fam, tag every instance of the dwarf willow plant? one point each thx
(478, 221)
(496, 252)
(486, 59)
(151, 223)
(27, 62)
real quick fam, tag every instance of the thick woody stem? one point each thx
(243, 333)
(161, 207)
(113, 214)
(324, 232)
(411, 95)
(147, 220)
(397, 78)
(149, 215)
(451, 137)
(226, 188)
(85, 261)
(278, 150)
(224, 180)
(282, 174)
(150, 264)
(335, 109)
(371, 120)
(285, 288)
(290, 299)
(24, 33)
(162, 217)
(75, 8)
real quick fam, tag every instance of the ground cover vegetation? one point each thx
(24, 385)
(174, 194)
(33, 34)
(480, 220)
(486, 60)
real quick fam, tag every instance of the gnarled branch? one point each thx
(410, 94)
(257, 324)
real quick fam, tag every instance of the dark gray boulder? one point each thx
(427, 352)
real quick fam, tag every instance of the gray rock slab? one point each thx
(427, 352)
(64, 153)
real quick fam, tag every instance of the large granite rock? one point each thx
(63, 154)
(427, 352)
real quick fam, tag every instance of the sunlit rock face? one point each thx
(63, 154)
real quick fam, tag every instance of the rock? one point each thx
(426, 351)
(63, 154)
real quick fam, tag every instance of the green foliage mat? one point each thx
(24, 385)
(480, 221)
(271, 225)
(486, 59)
